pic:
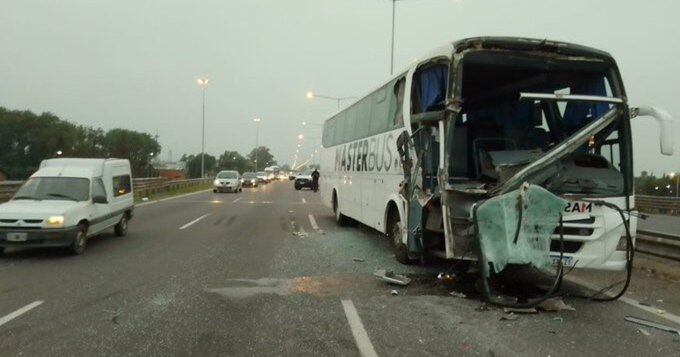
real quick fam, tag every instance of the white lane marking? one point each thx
(358, 331)
(194, 221)
(17, 313)
(238, 199)
(304, 200)
(170, 198)
(632, 302)
(313, 222)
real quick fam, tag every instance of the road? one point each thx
(250, 274)
(661, 223)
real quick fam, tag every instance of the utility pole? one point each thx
(394, 5)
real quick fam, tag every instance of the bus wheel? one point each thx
(340, 218)
(396, 235)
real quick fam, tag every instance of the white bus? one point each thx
(478, 118)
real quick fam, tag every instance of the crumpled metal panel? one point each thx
(497, 220)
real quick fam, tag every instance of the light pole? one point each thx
(257, 139)
(394, 6)
(203, 83)
(312, 95)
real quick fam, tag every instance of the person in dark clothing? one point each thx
(315, 180)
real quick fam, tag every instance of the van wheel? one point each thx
(396, 236)
(80, 241)
(340, 218)
(122, 226)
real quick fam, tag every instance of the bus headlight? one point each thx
(55, 221)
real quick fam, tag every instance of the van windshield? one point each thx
(54, 188)
(227, 175)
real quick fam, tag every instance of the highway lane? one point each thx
(253, 276)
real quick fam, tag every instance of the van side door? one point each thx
(99, 213)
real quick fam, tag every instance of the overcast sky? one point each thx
(134, 63)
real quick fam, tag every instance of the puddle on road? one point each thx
(325, 286)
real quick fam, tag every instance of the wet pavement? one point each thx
(255, 277)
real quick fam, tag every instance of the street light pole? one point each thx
(394, 5)
(257, 139)
(312, 95)
(203, 83)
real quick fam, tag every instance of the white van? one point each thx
(67, 201)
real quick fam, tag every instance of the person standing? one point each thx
(315, 180)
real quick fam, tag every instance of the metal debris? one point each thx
(520, 310)
(458, 295)
(394, 293)
(643, 331)
(509, 317)
(555, 304)
(392, 278)
(653, 324)
(360, 260)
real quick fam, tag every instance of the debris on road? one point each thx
(643, 331)
(458, 295)
(555, 304)
(509, 317)
(394, 293)
(519, 310)
(482, 307)
(446, 279)
(358, 260)
(300, 234)
(653, 324)
(558, 318)
(392, 278)
(145, 199)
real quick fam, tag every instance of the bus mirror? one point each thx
(665, 121)
(428, 118)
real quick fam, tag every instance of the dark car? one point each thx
(304, 180)
(250, 179)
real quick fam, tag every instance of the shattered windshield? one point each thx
(497, 134)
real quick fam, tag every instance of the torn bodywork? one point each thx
(514, 112)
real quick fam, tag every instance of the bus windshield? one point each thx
(497, 134)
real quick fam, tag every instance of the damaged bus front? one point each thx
(521, 150)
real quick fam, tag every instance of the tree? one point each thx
(137, 147)
(232, 160)
(193, 165)
(263, 156)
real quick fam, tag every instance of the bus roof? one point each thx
(491, 42)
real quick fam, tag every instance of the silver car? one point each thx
(229, 181)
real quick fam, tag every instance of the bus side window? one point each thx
(397, 103)
(339, 128)
(379, 111)
(363, 117)
(350, 124)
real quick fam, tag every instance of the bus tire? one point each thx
(340, 218)
(395, 235)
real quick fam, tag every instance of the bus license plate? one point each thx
(566, 261)
(16, 237)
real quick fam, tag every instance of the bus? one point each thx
(478, 118)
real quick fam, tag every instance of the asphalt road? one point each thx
(661, 223)
(255, 275)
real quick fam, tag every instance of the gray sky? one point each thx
(134, 63)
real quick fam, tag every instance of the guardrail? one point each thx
(657, 204)
(664, 245)
(142, 187)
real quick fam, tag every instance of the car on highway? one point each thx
(263, 177)
(304, 179)
(228, 180)
(66, 202)
(249, 179)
